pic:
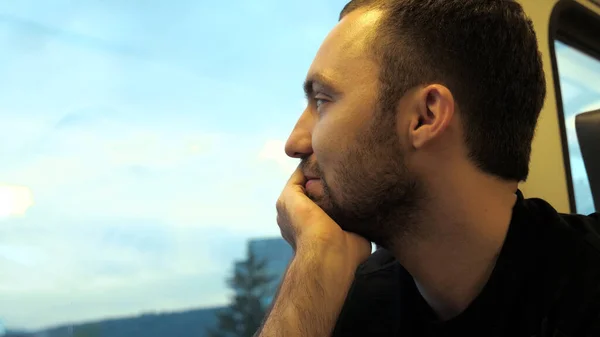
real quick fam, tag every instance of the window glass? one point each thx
(141, 147)
(579, 74)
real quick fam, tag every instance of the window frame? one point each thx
(572, 24)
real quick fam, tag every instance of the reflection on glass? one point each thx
(142, 153)
(579, 74)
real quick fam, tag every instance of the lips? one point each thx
(311, 180)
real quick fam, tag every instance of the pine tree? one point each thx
(253, 288)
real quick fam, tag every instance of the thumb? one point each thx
(295, 204)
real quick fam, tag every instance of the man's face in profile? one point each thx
(348, 143)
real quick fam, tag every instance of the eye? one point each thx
(320, 101)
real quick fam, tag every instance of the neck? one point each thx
(453, 252)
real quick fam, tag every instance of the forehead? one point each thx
(346, 52)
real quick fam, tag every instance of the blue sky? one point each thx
(141, 146)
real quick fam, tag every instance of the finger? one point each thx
(294, 192)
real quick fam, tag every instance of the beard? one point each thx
(374, 194)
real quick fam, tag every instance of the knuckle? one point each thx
(281, 222)
(280, 205)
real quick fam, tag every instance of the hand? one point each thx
(316, 283)
(306, 227)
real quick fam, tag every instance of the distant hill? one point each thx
(193, 323)
(14, 333)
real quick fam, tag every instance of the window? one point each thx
(576, 68)
(579, 74)
(142, 154)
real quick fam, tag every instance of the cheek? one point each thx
(328, 148)
(335, 150)
(332, 135)
(334, 142)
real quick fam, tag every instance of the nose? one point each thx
(299, 144)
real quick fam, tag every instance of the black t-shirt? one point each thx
(546, 282)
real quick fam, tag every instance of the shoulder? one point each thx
(588, 227)
(570, 244)
(374, 281)
(380, 260)
(582, 229)
(371, 306)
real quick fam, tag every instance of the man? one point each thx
(418, 129)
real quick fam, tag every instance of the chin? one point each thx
(319, 200)
(322, 202)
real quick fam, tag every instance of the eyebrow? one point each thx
(318, 82)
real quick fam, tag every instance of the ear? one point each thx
(434, 111)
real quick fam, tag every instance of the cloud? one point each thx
(154, 150)
(14, 200)
(31, 34)
(125, 197)
(181, 213)
(105, 267)
(274, 150)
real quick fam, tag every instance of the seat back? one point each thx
(588, 133)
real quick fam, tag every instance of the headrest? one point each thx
(588, 133)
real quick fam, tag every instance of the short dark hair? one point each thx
(485, 51)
